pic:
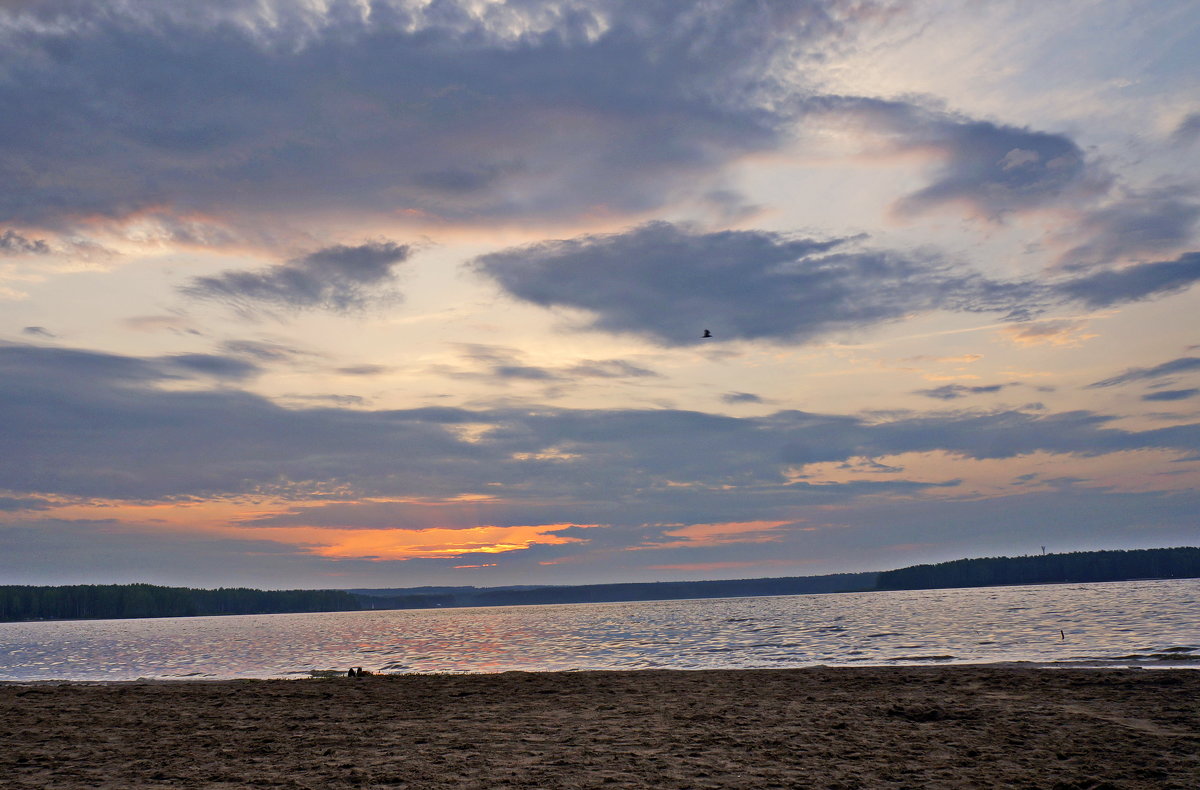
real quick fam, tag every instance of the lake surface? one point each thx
(1146, 623)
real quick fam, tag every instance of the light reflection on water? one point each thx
(1150, 623)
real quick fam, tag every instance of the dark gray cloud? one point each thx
(1188, 130)
(13, 504)
(1000, 169)
(668, 283)
(1002, 434)
(455, 111)
(1180, 365)
(38, 331)
(954, 391)
(86, 424)
(74, 370)
(363, 370)
(100, 425)
(338, 278)
(1155, 223)
(337, 400)
(499, 362)
(451, 110)
(995, 169)
(1169, 395)
(13, 243)
(215, 365)
(526, 372)
(741, 397)
(1133, 283)
(89, 425)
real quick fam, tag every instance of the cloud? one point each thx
(954, 391)
(1053, 332)
(668, 282)
(1002, 434)
(507, 364)
(363, 370)
(1188, 130)
(958, 359)
(1136, 226)
(608, 369)
(1169, 395)
(704, 535)
(498, 362)
(999, 169)
(337, 400)
(994, 169)
(73, 370)
(741, 397)
(111, 430)
(1133, 283)
(160, 323)
(38, 331)
(452, 111)
(457, 112)
(392, 544)
(400, 483)
(1180, 365)
(13, 243)
(339, 278)
(10, 504)
(263, 351)
(215, 365)
(96, 425)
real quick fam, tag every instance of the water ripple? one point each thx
(1149, 624)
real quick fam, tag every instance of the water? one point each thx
(1148, 623)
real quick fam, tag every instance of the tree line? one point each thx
(118, 601)
(1078, 566)
(114, 601)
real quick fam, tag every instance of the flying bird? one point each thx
(707, 333)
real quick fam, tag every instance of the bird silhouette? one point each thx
(707, 333)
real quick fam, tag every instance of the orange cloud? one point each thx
(1127, 471)
(186, 516)
(403, 544)
(720, 534)
(229, 518)
(1059, 332)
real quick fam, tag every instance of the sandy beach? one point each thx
(947, 727)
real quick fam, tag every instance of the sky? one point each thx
(393, 293)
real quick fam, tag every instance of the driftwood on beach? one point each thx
(946, 727)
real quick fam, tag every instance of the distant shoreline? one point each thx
(25, 603)
(585, 603)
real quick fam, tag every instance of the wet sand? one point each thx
(950, 727)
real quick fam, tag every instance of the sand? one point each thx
(946, 727)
